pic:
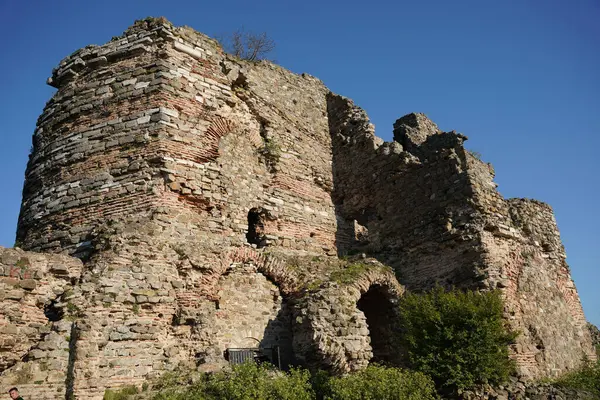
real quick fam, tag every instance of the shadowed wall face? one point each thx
(410, 209)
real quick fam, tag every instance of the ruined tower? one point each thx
(208, 199)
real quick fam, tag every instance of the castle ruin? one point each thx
(180, 203)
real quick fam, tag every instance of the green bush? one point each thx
(458, 338)
(245, 382)
(586, 378)
(380, 383)
(254, 382)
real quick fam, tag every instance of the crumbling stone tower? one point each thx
(208, 199)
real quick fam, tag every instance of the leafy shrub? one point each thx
(254, 382)
(245, 382)
(458, 338)
(380, 383)
(586, 378)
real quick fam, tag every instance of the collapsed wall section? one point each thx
(410, 209)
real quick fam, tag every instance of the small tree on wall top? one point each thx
(248, 45)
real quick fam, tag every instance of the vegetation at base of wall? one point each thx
(262, 382)
(121, 394)
(452, 340)
(380, 383)
(458, 338)
(586, 378)
(243, 382)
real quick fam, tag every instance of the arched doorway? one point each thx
(379, 310)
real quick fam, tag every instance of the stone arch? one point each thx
(254, 310)
(332, 332)
(267, 264)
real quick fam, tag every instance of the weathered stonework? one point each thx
(519, 390)
(331, 332)
(209, 198)
(432, 212)
(36, 320)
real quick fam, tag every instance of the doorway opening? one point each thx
(380, 314)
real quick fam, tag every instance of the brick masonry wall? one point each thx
(147, 126)
(147, 163)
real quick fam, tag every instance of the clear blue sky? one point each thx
(521, 78)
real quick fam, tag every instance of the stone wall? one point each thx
(595, 333)
(146, 163)
(524, 257)
(252, 314)
(36, 321)
(150, 120)
(432, 212)
(411, 205)
(524, 390)
(188, 182)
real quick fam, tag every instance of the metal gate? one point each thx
(243, 355)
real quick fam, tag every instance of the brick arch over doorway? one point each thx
(252, 291)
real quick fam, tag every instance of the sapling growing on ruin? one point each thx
(248, 46)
